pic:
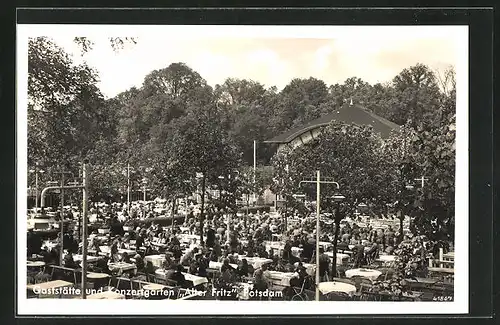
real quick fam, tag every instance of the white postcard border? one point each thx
(460, 304)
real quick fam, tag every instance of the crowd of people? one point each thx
(230, 242)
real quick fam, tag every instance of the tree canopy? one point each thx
(182, 134)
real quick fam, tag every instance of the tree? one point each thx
(349, 154)
(300, 101)
(66, 111)
(247, 105)
(418, 95)
(202, 146)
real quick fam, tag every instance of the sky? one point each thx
(270, 60)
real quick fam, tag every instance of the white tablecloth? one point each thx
(157, 260)
(365, 273)
(218, 265)
(280, 278)
(121, 266)
(333, 286)
(310, 268)
(196, 280)
(341, 257)
(90, 259)
(296, 251)
(243, 290)
(187, 238)
(129, 252)
(256, 262)
(387, 258)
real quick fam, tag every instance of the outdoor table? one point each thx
(99, 279)
(351, 247)
(341, 258)
(183, 229)
(310, 268)
(95, 276)
(153, 287)
(158, 244)
(51, 285)
(218, 265)
(365, 273)
(104, 249)
(326, 245)
(129, 252)
(196, 280)
(296, 251)
(387, 258)
(35, 264)
(156, 260)
(106, 295)
(187, 238)
(243, 290)
(256, 262)
(122, 266)
(334, 286)
(280, 278)
(90, 259)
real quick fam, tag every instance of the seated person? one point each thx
(343, 246)
(202, 269)
(46, 255)
(225, 266)
(125, 258)
(299, 277)
(243, 268)
(193, 267)
(389, 250)
(69, 261)
(178, 276)
(261, 282)
(102, 265)
(176, 250)
(139, 262)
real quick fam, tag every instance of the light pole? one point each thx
(36, 171)
(254, 170)
(85, 188)
(128, 188)
(318, 183)
(337, 217)
(61, 223)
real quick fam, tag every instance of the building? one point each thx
(347, 114)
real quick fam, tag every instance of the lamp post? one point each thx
(337, 217)
(318, 183)
(254, 170)
(36, 171)
(61, 223)
(128, 188)
(85, 188)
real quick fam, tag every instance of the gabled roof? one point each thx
(347, 114)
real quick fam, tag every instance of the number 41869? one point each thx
(442, 298)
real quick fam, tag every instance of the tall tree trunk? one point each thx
(335, 240)
(173, 213)
(202, 210)
(401, 234)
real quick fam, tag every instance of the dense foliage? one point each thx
(182, 135)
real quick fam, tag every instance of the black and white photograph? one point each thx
(242, 169)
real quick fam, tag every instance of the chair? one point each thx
(299, 292)
(336, 296)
